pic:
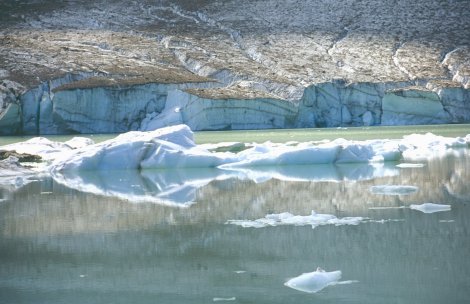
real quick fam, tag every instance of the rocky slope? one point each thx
(86, 67)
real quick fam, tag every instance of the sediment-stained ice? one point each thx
(286, 218)
(47, 149)
(393, 189)
(312, 282)
(430, 207)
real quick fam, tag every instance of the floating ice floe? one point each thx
(410, 165)
(286, 218)
(393, 189)
(224, 299)
(174, 147)
(312, 282)
(430, 207)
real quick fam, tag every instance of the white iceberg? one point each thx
(420, 147)
(174, 147)
(312, 282)
(430, 207)
(171, 147)
(286, 218)
(394, 189)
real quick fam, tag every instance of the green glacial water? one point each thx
(61, 245)
(285, 135)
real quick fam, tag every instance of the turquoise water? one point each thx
(285, 135)
(62, 245)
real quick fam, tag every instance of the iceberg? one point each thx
(430, 207)
(312, 282)
(173, 148)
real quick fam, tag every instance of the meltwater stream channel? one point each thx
(60, 245)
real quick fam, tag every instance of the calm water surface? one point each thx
(96, 244)
(285, 135)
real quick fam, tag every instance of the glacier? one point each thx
(66, 106)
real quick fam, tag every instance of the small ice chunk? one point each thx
(430, 207)
(410, 165)
(239, 271)
(385, 208)
(393, 189)
(286, 218)
(224, 299)
(312, 282)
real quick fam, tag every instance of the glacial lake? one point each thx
(195, 241)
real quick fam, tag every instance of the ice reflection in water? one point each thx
(75, 246)
(178, 187)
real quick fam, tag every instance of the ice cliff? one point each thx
(52, 109)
